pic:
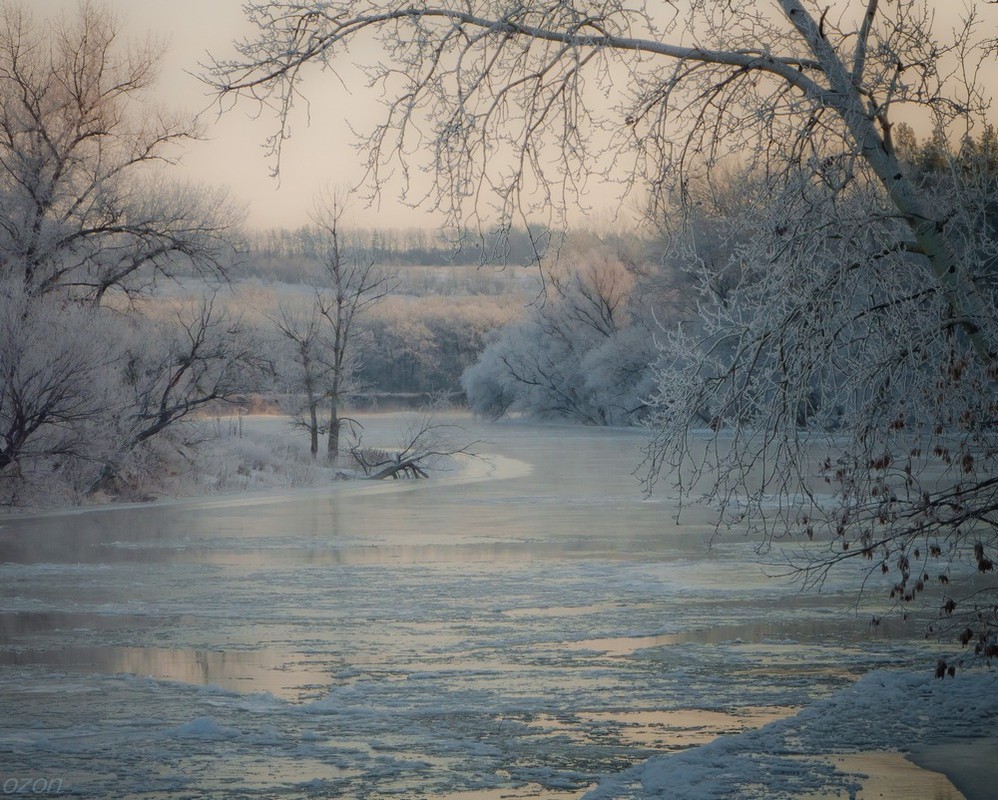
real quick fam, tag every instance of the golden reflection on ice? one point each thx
(254, 671)
(672, 729)
(890, 776)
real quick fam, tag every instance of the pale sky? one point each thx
(318, 156)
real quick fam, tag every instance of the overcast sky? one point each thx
(319, 154)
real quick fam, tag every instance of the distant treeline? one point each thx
(398, 247)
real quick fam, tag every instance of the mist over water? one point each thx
(525, 625)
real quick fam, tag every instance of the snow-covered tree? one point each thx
(89, 222)
(197, 356)
(58, 393)
(584, 353)
(841, 395)
(173, 366)
(301, 366)
(348, 286)
(83, 205)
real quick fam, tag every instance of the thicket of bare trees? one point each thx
(89, 224)
(323, 334)
(857, 312)
(423, 344)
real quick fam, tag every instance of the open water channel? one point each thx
(517, 629)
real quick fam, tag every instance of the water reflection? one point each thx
(664, 729)
(290, 678)
(24, 626)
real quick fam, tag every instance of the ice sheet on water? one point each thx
(203, 728)
(882, 711)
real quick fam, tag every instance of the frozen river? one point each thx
(517, 631)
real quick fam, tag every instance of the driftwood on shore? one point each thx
(405, 469)
(420, 449)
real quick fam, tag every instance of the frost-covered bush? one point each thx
(583, 352)
(226, 462)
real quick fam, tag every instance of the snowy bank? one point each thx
(893, 711)
(264, 457)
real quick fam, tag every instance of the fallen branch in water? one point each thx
(423, 447)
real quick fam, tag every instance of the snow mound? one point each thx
(883, 711)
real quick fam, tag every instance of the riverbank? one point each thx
(253, 455)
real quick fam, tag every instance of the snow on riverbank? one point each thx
(258, 455)
(893, 711)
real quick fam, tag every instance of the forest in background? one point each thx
(418, 341)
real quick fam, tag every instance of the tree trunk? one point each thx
(404, 469)
(103, 481)
(333, 441)
(313, 428)
(927, 228)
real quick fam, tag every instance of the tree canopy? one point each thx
(84, 208)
